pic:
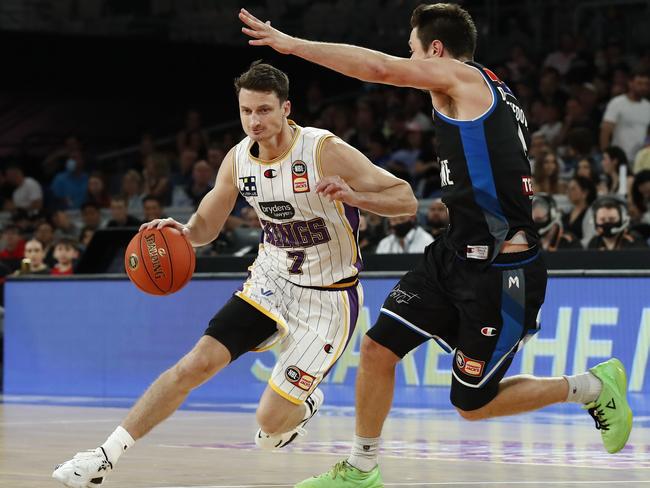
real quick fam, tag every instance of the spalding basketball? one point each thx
(159, 262)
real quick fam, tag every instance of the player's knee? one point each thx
(472, 415)
(192, 370)
(375, 355)
(270, 421)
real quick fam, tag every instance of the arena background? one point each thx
(112, 73)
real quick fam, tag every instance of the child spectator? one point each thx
(65, 252)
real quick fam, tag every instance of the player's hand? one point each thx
(335, 188)
(168, 222)
(265, 35)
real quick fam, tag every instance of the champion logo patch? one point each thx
(489, 331)
(270, 173)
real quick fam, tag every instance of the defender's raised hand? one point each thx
(265, 35)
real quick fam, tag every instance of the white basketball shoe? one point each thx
(85, 470)
(313, 403)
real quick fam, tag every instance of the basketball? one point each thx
(159, 262)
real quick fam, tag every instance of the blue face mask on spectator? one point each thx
(70, 165)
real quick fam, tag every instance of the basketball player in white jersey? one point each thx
(303, 291)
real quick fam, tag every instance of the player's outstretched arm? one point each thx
(434, 74)
(208, 220)
(350, 177)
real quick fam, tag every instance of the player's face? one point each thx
(262, 114)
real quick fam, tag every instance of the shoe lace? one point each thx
(338, 469)
(598, 415)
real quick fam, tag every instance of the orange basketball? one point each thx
(159, 262)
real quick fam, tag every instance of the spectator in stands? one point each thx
(548, 222)
(187, 137)
(365, 125)
(546, 177)
(575, 117)
(97, 192)
(91, 216)
(45, 235)
(551, 127)
(216, 154)
(132, 190)
(410, 154)
(63, 224)
(85, 237)
(378, 149)
(581, 193)
(250, 218)
(406, 237)
(14, 246)
(437, 218)
(539, 147)
(549, 88)
(186, 162)
(626, 119)
(191, 194)
(156, 178)
(642, 159)
(614, 178)
(34, 261)
(579, 146)
(640, 198)
(65, 253)
(152, 208)
(612, 227)
(562, 58)
(70, 185)
(587, 169)
(56, 160)
(27, 193)
(120, 216)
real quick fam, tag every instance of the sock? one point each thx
(364, 453)
(118, 442)
(583, 388)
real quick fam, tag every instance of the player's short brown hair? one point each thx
(263, 77)
(448, 23)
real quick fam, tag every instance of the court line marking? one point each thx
(443, 483)
(413, 458)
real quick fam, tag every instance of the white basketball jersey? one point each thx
(309, 240)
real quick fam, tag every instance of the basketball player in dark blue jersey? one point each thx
(477, 291)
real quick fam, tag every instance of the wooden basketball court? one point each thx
(215, 449)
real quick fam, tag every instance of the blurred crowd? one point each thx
(587, 111)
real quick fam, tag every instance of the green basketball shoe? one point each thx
(610, 411)
(344, 475)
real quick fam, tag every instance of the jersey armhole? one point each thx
(234, 168)
(317, 154)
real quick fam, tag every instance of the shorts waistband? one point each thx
(344, 284)
(515, 259)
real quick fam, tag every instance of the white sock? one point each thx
(118, 442)
(583, 388)
(364, 453)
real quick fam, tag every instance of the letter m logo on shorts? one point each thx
(513, 280)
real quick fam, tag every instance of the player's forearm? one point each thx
(200, 232)
(391, 202)
(357, 62)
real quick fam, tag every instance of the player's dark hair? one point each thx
(66, 242)
(262, 77)
(152, 198)
(448, 23)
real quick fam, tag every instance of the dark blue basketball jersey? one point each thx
(485, 174)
